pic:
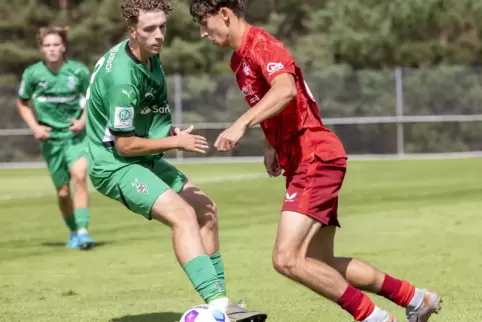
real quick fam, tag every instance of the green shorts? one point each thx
(60, 154)
(137, 186)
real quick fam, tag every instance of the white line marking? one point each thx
(200, 181)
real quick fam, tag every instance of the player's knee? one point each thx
(209, 217)
(179, 217)
(63, 192)
(79, 177)
(286, 262)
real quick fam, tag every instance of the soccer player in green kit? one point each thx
(129, 127)
(57, 87)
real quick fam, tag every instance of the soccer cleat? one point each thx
(84, 241)
(73, 242)
(237, 313)
(431, 304)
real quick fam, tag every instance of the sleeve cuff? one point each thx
(122, 133)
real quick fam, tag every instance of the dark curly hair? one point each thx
(131, 8)
(203, 8)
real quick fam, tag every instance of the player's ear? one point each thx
(224, 14)
(132, 32)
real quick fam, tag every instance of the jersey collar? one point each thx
(131, 54)
(244, 40)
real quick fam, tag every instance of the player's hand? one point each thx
(229, 138)
(190, 142)
(41, 132)
(271, 162)
(77, 125)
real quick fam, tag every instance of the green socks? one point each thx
(70, 222)
(81, 216)
(203, 276)
(219, 268)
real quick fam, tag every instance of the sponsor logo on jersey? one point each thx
(156, 109)
(274, 67)
(113, 52)
(249, 94)
(124, 117)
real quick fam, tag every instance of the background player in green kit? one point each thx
(129, 128)
(57, 86)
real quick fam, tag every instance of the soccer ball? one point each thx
(204, 313)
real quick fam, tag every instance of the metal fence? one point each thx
(399, 112)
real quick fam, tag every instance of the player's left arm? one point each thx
(278, 69)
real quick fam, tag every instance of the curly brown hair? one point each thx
(60, 31)
(203, 8)
(131, 8)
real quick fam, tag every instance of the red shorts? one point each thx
(313, 189)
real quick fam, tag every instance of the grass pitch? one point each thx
(417, 220)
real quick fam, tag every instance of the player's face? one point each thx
(53, 48)
(150, 31)
(215, 28)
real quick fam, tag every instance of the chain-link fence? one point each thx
(400, 111)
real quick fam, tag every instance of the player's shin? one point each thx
(66, 208)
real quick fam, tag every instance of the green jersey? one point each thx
(56, 96)
(125, 98)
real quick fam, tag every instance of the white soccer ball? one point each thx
(204, 313)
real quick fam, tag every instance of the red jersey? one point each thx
(296, 133)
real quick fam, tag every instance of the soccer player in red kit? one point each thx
(314, 163)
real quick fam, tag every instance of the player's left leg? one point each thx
(206, 213)
(75, 151)
(419, 303)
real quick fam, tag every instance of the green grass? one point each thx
(418, 220)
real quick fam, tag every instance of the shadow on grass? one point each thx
(62, 244)
(150, 317)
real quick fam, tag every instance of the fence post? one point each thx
(177, 117)
(399, 110)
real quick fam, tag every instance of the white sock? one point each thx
(220, 303)
(417, 299)
(378, 315)
(82, 231)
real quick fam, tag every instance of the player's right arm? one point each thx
(25, 92)
(122, 102)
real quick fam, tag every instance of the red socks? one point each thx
(397, 291)
(355, 302)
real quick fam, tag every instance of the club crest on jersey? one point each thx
(272, 68)
(124, 117)
(140, 187)
(71, 82)
(246, 68)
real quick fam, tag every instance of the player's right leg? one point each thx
(206, 213)
(53, 156)
(289, 259)
(141, 191)
(419, 303)
(310, 205)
